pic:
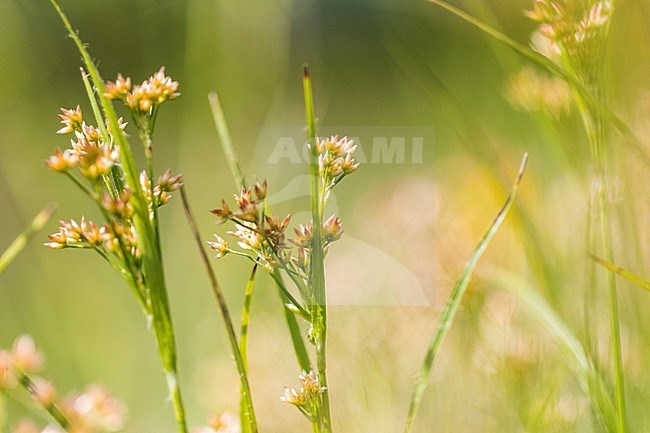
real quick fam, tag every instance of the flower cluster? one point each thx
(94, 410)
(570, 28)
(145, 97)
(160, 194)
(306, 397)
(117, 239)
(91, 150)
(97, 158)
(262, 236)
(335, 160)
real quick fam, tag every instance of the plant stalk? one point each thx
(318, 302)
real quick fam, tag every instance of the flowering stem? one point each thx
(81, 186)
(285, 296)
(318, 302)
(149, 246)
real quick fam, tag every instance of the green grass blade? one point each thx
(449, 311)
(225, 315)
(243, 344)
(20, 242)
(294, 330)
(594, 103)
(246, 315)
(226, 140)
(645, 284)
(577, 358)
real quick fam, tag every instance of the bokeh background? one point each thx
(381, 67)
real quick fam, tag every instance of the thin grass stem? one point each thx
(52, 409)
(243, 342)
(226, 140)
(225, 315)
(319, 302)
(18, 244)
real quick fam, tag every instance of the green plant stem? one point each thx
(18, 244)
(226, 141)
(52, 409)
(243, 343)
(246, 316)
(615, 329)
(450, 308)
(147, 141)
(225, 315)
(302, 356)
(318, 305)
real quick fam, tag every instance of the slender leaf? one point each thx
(225, 315)
(243, 344)
(20, 242)
(226, 141)
(449, 311)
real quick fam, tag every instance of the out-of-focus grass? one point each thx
(378, 64)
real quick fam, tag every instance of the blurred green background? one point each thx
(377, 66)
